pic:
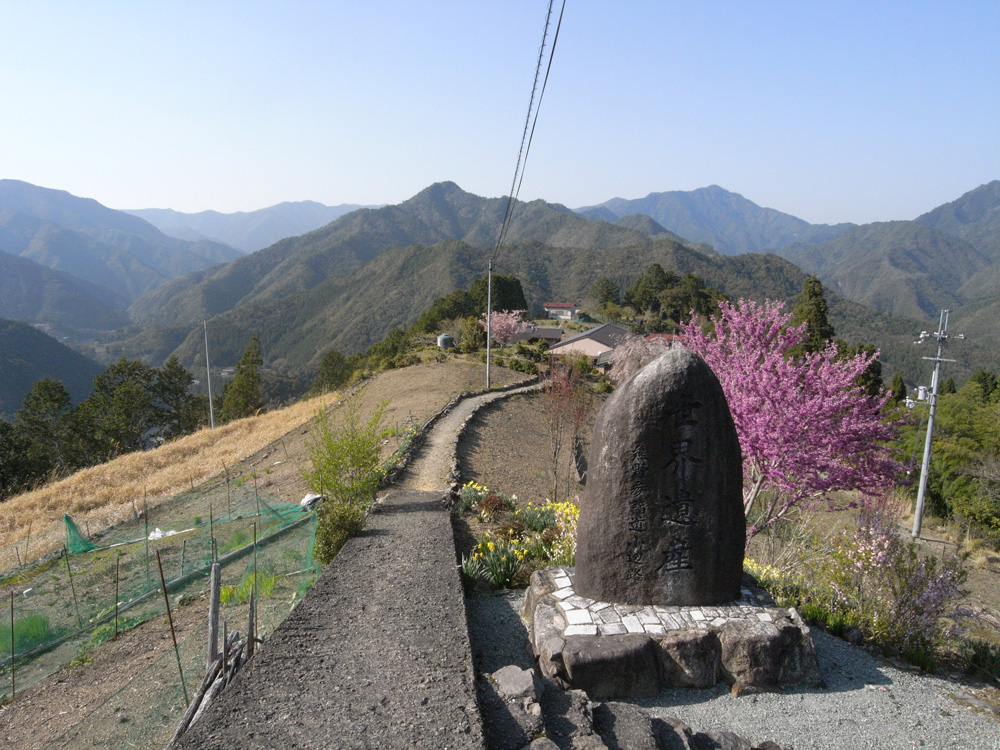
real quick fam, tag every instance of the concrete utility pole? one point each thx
(941, 335)
(208, 371)
(489, 318)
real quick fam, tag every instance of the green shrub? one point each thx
(30, 631)
(345, 467)
(338, 522)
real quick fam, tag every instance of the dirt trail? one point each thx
(436, 458)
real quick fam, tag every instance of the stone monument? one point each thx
(658, 598)
(661, 520)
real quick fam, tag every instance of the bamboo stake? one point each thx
(283, 446)
(183, 550)
(13, 692)
(79, 620)
(255, 495)
(118, 562)
(229, 495)
(255, 566)
(27, 543)
(145, 518)
(211, 532)
(18, 553)
(173, 634)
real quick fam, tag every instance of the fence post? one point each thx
(213, 616)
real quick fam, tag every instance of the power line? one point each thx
(528, 134)
(522, 158)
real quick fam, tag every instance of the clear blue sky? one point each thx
(836, 111)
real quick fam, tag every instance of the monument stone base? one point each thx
(626, 651)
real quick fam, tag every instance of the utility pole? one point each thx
(941, 335)
(208, 371)
(489, 318)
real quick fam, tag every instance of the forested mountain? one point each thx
(297, 264)
(245, 230)
(975, 218)
(898, 267)
(28, 355)
(727, 221)
(35, 294)
(122, 253)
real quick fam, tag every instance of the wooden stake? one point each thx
(79, 620)
(255, 566)
(27, 543)
(255, 495)
(251, 630)
(283, 446)
(145, 518)
(229, 495)
(18, 553)
(183, 550)
(173, 634)
(211, 532)
(213, 616)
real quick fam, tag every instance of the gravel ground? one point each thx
(866, 703)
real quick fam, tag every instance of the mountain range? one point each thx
(348, 282)
(247, 231)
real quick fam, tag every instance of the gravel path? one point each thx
(376, 655)
(866, 704)
(436, 458)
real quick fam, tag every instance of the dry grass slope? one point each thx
(103, 495)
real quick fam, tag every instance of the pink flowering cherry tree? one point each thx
(804, 426)
(505, 324)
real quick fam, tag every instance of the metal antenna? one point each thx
(941, 335)
(208, 371)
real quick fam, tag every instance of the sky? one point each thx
(832, 112)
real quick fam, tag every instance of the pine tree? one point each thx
(897, 391)
(242, 397)
(604, 290)
(811, 308)
(949, 386)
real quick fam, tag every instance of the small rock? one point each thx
(512, 682)
(853, 635)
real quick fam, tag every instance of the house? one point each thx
(561, 310)
(667, 339)
(536, 333)
(592, 343)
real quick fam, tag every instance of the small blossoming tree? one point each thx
(805, 427)
(505, 324)
(631, 355)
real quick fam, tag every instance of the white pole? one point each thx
(918, 514)
(489, 318)
(208, 371)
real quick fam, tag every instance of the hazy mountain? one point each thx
(727, 221)
(80, 236)
(28, 355)
(245, 230)
(975, 218)
(898, 267)
(297, 264)
(36, 294)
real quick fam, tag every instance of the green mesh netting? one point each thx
(76, 542)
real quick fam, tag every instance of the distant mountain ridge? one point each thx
(28, 355)
(247, 231)
(727, 221)
(295, 265)
(104, 258)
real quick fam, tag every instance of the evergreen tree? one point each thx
(811, 308)
(20, 465)
(121, 412)
(507, 294)
(333, 371)
(182, 412)
(949, 386)
(644, 293)
(897, 391)
(242, 396)
(604, 290)
(43, 420)
(988, 384)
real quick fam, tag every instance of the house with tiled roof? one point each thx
(592, 343)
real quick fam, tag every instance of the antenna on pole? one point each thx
(208, 371)
(941, 335)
